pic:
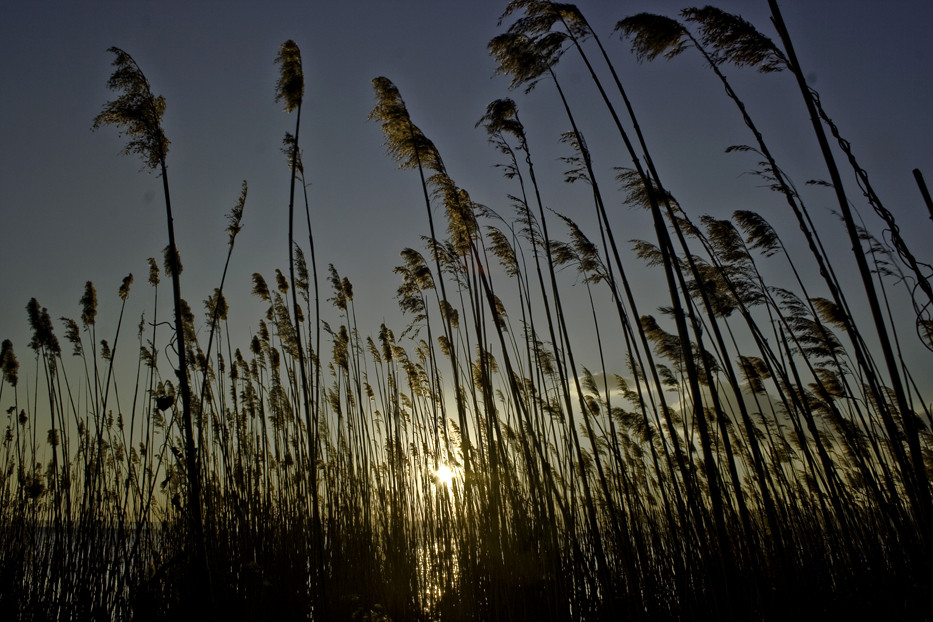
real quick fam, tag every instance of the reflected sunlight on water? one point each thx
(438, 573)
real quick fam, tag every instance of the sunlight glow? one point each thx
(444, 475)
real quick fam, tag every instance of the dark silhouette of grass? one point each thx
(751, 462)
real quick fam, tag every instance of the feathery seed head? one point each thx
(502, 118)
(216, 307)
(301, 268)
(540, 16)
(8, 363)
(406, 143)
(281, 282)
(235, 217)
(73, 335)
(153, 272)
(105, 351)
(736, 41)
(88, 305)
(171, 261)
(292, 153)
(137, 112)
(340, 292)
(260, 288)
(758, 232)
(43, 335)
(653, 35)
(291, 85)
(125, 286)
(526, 59)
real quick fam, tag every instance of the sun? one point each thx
(444, 475)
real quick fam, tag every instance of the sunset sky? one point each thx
(74, 209)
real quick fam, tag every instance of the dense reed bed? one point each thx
(764, 453)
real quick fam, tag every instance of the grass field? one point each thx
(764, 454)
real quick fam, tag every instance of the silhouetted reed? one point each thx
(492, 458)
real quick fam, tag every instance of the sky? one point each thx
(74, 209)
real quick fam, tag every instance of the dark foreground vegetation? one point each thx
(765, 454)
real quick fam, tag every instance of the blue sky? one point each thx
(73, 209)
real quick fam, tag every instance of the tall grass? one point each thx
(483, 461)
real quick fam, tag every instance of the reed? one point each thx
(486, 459)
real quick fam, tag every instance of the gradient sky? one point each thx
(73, 209)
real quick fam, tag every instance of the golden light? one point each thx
(444, 475)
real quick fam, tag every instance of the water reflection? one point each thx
(438, 573)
